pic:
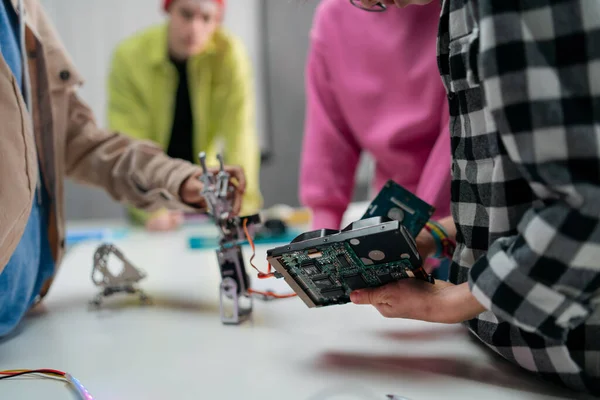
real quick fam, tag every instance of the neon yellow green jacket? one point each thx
(141, 95)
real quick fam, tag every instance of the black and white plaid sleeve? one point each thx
(539, 66)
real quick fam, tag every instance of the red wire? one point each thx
(32, 371)
(272, 294)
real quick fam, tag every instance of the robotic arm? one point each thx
(235, 296)
(235, 282)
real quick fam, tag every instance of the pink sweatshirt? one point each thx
(373, 85)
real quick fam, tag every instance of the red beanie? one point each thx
(167, 3)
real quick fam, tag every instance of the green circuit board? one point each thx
(397, 203)
(329, 274)
(323, 267)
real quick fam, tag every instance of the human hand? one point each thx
(191, 189)
(427, 247)
(165, 221)
(442, 302)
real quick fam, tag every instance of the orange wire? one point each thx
(272, 294)
(38, 371)
(51, 373)
(262, 275)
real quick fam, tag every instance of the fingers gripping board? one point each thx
(324, 266)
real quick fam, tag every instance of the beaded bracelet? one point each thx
(444, 244)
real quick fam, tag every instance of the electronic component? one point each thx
(231, 261)
(233, 232)
(81, 391)
(310, 268)
(234, 285)
(397, 203)
(355, 281)
(323, 267)
(79, 388)
(123, 282)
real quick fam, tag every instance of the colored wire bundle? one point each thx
(262, 275)
(52, 374)
(444, 244)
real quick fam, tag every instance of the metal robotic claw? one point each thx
(235, 299)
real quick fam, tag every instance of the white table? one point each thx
(178, 348)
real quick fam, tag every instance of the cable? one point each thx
(20, 372)
(262, 275)
(272, 294)
(79, 388)
(59, 378)
(50, 373)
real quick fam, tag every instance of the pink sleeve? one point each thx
(330, 154)
(434, 184)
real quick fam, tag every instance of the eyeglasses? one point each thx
(377, 7)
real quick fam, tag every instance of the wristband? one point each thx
(444, 245)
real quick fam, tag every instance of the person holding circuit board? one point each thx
(366, 98)
(522, 85)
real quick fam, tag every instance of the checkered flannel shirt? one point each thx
(523, 82)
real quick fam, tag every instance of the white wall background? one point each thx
(84, 28)
(278, 71)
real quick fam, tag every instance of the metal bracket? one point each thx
(234, 286)
(237, 312)
(235, 283)
(123, 282)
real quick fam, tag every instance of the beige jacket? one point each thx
(62, 130)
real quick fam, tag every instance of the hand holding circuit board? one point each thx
(323, 267)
